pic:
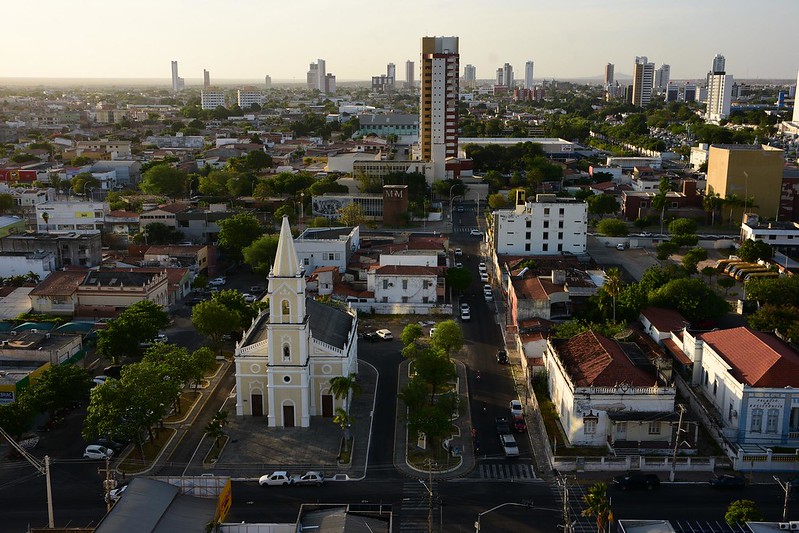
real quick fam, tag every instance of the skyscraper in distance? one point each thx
(662, 77)
(438, 105)
(177, 81)
(206, 79)
(321, 75)
(795, 117)
(391, 71)
(409, 74)
(469, 75)
(719, 64)
(643, 79)
(719, 91)
(268, 81)
(609, 74)
(507, 76)
(528, 74)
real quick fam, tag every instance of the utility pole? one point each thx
(786, 487)
(50, 519)
(673, 472)
(430, 496)
(567, 525)
(108, 483)
(43, 469)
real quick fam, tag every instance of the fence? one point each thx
(401, 308)
(623, 464)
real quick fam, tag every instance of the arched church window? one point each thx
(286, 352)
(284, 305)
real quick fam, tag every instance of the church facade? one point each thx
(286, 359)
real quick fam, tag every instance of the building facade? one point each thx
(286, 359)
(410, 73)
(438, 109)
(548, 225)
(80, 217)
(210, 99)
(247, 96)
(528, 75)
(643, 80)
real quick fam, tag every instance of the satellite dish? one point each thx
(623, 334)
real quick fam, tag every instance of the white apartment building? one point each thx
(783, 234)
(247, 96)
(20, 263)
(403, 284)
(547, 226)
(438, 112)
(528, 75)
(719, 97)
(327, 247)
(77, 217)
(643, 81)
(210, 99)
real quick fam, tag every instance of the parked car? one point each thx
(501, 423)
(309, 478)
(620, 247)
(95, 451)
(460, 209)
(257, 289)
(482, 267)
(112, 445)
(370, 336)
(99, 380)
(217, 282)
(465, 307)
(519, 424)
(384, 334)
(476, 233)
(275, 478)
(484, 277)
(458, 252)
(727, 481)
(502, 357)
(509, 445)
(466, 314)
(458, 265)
(637, 481)
(249, 298)
(515, 407)
(488, 293)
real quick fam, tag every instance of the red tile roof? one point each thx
(757, 359)
(664, 319)
(406, 270)
(596, 361)
(120, 213)
(677, 352)
(174, 208)
(535, 288)
(60, 283)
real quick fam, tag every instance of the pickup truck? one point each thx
(502, 425)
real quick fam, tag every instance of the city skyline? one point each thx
(613, 31)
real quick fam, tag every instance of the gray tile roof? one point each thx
(328, 324)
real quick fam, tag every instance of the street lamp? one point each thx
(528, 505)
(84, 188)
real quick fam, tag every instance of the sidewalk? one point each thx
(463, 423)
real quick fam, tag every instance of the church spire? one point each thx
(286, 263)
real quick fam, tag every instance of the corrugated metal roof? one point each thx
(328, 324)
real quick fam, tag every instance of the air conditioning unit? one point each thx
(785, 525)
(13, 332)
(34, 330)
(794, 525)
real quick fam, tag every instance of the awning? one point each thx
(677, 352)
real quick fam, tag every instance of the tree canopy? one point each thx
(691, 298)
(164, 180)
(238, 232)
(138, 324)
(612, 227)
(260, 254)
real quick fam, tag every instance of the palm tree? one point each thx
(32, 277)
(732, 201)
(711, 203)
(613, 286)
(598, 506)
(214, 430)
(344, 421)
(345, 387)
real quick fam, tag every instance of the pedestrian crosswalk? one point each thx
(580, 523)
(505, 472)
(414, 514)
(464, 229)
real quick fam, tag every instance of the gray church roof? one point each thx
(328, 324)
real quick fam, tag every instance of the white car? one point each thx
(464, 306)
(515, 408)
(309, 478)
(458, 252)
(482, 267)
(217, 282)
(249, 298)
(509, 445)
(458, 265)
(476, 233)
(620, 247)
(488, 293)
(99, 380)
(384, 334)
(275, 478)
(484, 277)
(466, 314)
(95, 451)
(115, 494)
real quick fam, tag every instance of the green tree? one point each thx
(448, 337)
(83, 182)
(660, 200)
(613, 286)
(459, 279)
(346, 387)
(138, 324)
(165, 180)
(260, 254)
(600, 204)
(742, 511)
(16, 418)
(752, 251)
(692, 258)
(203, 360)
(80, 161)
(770, 317)
(682, 226)
(612, 227)
(285, 210)
(234, 300)
(498, 201)
(411, 333)
(216, 183)
(344, 420)
(776, 291)
(6, 203)
(258, 160)
(213, 319)
(60, 386)
(725, 283)
(414, 395)
(213, 430)
(238, 232)
(665, 249)
(708, 272)
(435, 421)
(598, 506)
(160, 233)
(691, 298)
(351, 215)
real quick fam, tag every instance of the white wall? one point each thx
(21, 265)
(521, 232)
(428, 260)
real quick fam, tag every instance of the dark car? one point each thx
(370, 336)
(502, 425)
(113, 371)
(728, 481)
(502, 357)
(109, 443)
(637, 481)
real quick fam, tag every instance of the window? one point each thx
(560, 224)
(546, 235)
(405, 284)
(285, 309)
(527, 235)
(306, 261)
(425, 299)
(529, 224)
(425, 283)
(527, 247)
(286, 353)
(560, 235)
(654, 428)
(561, 211)
(544, 247)
(546, 223)
(589, 426)
(331, 257)
(771, 420)
(560, 247)
(385, 284)
(674, 205)
(757, 421)
(404, 299)
(546, 210)
(715, 386)
(385, 299)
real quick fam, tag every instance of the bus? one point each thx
(734, 268)
(722, 263)
(742, 272)
(761, 275)
(729, 266)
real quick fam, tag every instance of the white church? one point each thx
(285, 360)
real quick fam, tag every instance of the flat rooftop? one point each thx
(325, 233)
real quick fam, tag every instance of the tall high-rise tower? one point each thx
(206, 79)
(438, 106)
(528, 75)
(177, 81)
(410, 80)
(643, 78)
(321, 74)
(609, 68)
(795, 117)
(507, 75)
(719, 91)
(469, 75)
(391, 71)
(662, 77)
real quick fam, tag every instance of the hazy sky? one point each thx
(246, 39)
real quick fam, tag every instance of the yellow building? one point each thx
(747, 171)
(287, 357)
